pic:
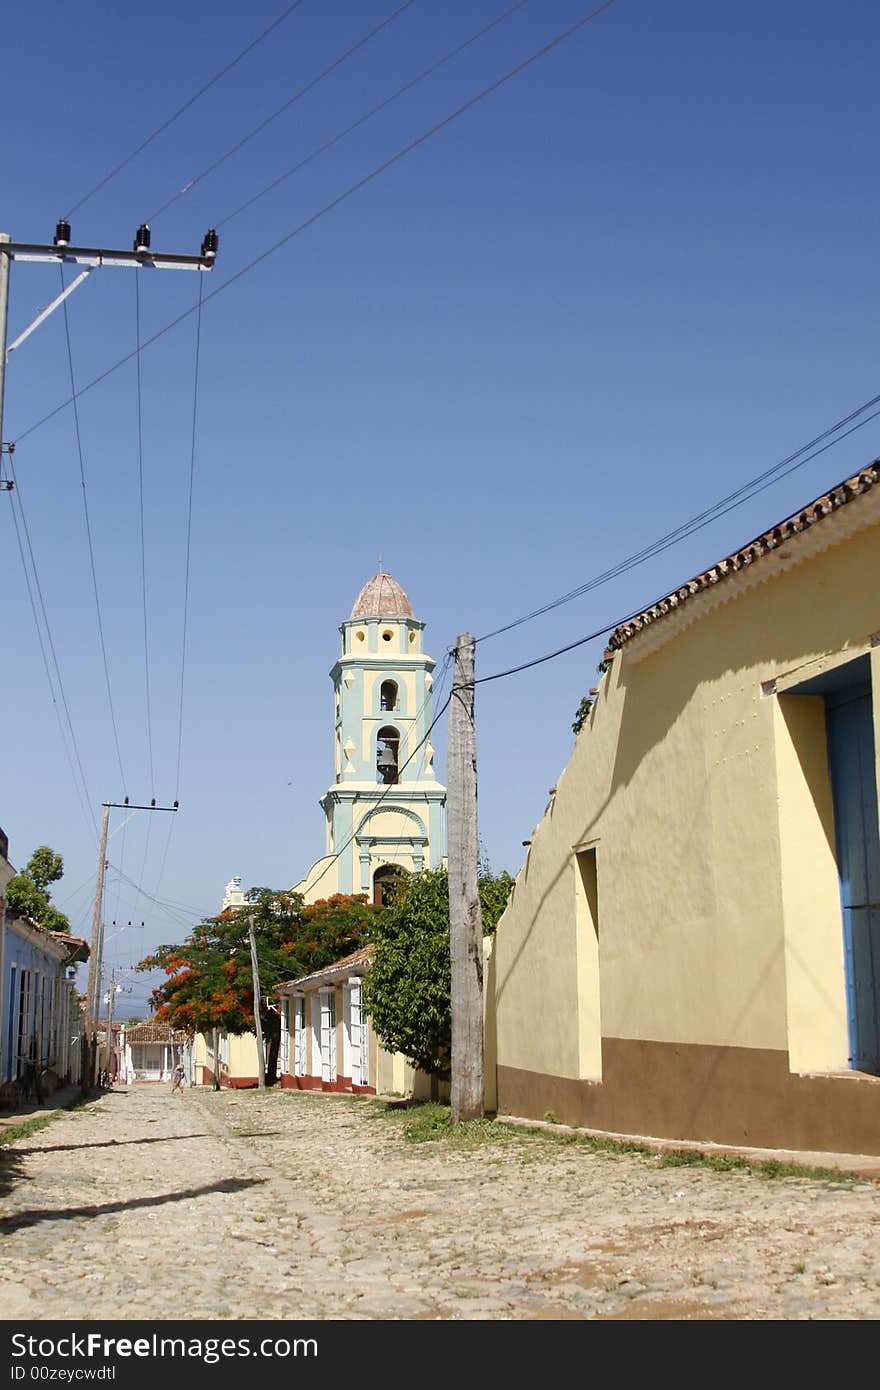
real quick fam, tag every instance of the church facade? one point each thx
(385, 810)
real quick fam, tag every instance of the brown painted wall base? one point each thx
(314, 1083)
(725, 1095)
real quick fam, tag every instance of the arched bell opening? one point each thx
(388, 696)
(385, 879)
(387, 756)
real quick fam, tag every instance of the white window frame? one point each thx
(347, 1050)
(284, 1047)
(315, 1020)
(327, 997)
(360, 1038)
(299, 1035)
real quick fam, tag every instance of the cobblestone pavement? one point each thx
(145, 1204)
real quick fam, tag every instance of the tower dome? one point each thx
(382, 597)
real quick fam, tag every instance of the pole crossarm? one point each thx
(93, 256)
(131, 806)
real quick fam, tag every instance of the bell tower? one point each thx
(385, 809)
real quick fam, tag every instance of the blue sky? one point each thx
(635, 276)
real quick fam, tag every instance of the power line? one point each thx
(85, 805)
(718, 509)
(185, 107)
(85, 498)
(164, 860)
(285, 106)
(435, 694)
(333, 857)
(168, 905)
(336, 202)
(192, 465)
(140, 453)
(49, 638)
(373, 111)
(618, 622)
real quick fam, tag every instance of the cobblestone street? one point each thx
(145, 1204)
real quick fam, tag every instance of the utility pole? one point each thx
(108, 1045)
(4, 315)
(93, 988)
(61, 253)
(465, 917)
(96, 954)
(258, 1027)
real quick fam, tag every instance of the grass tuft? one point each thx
(430, 1122)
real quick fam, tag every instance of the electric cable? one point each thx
(331, 859)
(60, 683)
(140, 454)
(334, 203)
(373, 111)
(560, 651)
(85, 499)
(189, 512)
(185, 107)
(718, 509)
(435, 693)
(85, 804)
(273, 116)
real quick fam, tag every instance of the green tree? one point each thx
(209, 984)
(407, 990)
(27, 893)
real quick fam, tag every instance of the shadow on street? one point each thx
(8, 1224)
(107, 1144)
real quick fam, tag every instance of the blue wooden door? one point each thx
(854, 789)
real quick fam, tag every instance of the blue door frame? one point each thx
(852, 761)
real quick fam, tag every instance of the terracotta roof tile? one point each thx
(751, 553)
(359, 957)
(152, 1031)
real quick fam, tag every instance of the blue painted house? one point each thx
(39, 1009)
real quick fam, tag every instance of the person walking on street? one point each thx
(177, 1077)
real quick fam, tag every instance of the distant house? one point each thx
(112, 1057)
(692, 947)
(150, 1051)
(327, 1043)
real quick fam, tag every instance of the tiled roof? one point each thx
(840, 496)
(339, 967)
(154, 1032)
(382, 597)
(77, 947)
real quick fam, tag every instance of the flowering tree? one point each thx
(209, 985)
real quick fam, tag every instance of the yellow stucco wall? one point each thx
(716, 890)
(320, 881)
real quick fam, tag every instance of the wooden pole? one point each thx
(258, 1027)
(93, 987)
(465, 917)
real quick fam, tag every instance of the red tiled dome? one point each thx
(382, 597)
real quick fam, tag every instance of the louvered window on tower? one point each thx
(387, 761)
